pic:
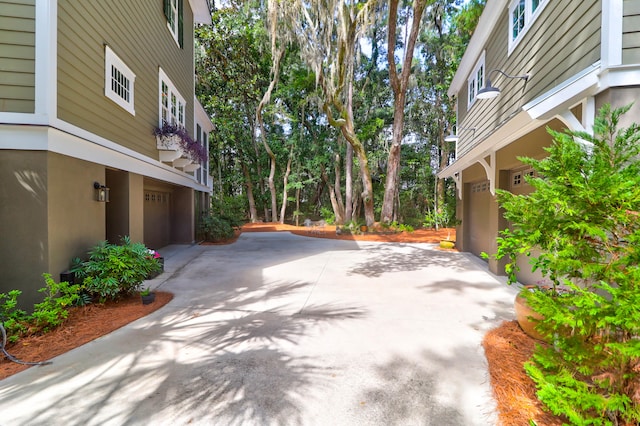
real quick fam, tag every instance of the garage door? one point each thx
(157, 218)
(477, 216)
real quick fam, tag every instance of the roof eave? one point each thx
(488, 20)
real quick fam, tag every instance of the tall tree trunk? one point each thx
(348, 163)
(266, 98)
(297, 214)
(285, 182)
(317, 197)
(348, 186)
(258, 167)
(340, 218)
(399, 85)
(334, 199)
(253, 213)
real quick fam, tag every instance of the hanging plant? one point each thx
(192, 148)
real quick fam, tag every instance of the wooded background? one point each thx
(332, 109)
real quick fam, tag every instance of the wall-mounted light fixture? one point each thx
(102, 192)
(453, 137)
(489, 91)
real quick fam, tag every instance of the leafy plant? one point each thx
(113, 270)
(13, 319)
(437, 219)
(215, 228)
(194, 148)
(53, 310)
(581, 229)
(328, 215)
(145, 291)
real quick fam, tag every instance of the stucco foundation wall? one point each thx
(76, 221)
(24, 242)
(621, 96)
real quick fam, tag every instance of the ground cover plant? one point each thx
(580, 228)
(114, 270)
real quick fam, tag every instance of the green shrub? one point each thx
(116, 270)
(214, 228)
(327, 215)
(581, 228)
(53, 310)
(13, 319)
(440, 219)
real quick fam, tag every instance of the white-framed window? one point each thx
(172, 104)
(119, 81)
(173, 11)
(522, 13)
(480, 186)
(476, 81)
(518, 177)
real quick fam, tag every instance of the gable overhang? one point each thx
(513, 129)
(201, 11)
(565, 95)
(487, 22)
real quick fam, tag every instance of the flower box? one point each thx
(191, 167)
(170, 147)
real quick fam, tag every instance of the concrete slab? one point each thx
(282, 329)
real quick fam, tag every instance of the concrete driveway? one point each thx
(278, 329)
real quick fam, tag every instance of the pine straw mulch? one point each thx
(507, 348)
(83, 325)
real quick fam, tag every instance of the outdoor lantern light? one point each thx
(102, 192)
(453, 137)
(490, 92)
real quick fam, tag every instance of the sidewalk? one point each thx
(282, 329)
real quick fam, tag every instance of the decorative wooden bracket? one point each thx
(490, 171)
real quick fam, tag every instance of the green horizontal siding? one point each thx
(138, 35)
(17, 56)
(631, 32)
(562, 41)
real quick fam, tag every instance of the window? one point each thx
(522, 13)
(172, 104)
(118, 81)
(518, 178)
(173, 11)
(476, 81)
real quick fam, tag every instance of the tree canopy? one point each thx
(313, 121)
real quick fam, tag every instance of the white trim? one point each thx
(611, 33)
(515, 128)
(90, 147)
(589, 113)
(202, 117)
(113, 60)
(529, 18)
(162, 76)
(565, 95)
(46, 51)
(624, 75)
(490, 171)
(175, 30)
(23, 118)
(486, 24)
(201, 12)
(572, 122)
(480, 64)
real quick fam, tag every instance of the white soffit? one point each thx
(201, 12)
